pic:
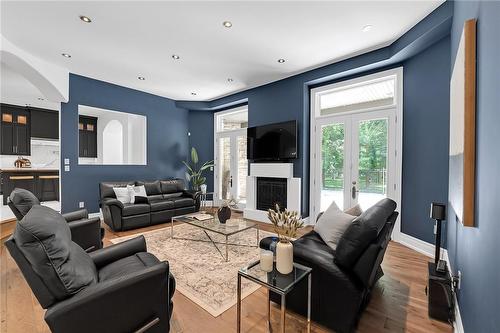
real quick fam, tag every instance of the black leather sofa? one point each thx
(121, 288)
(165, 199)
(86, 232)
(341, 289)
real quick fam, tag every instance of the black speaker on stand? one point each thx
(439, 290)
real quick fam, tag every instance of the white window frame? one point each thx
(220, 134)
(315, 117)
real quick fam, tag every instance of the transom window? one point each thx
(367, 95)
(232, 120)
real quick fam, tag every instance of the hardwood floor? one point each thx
(399, 303)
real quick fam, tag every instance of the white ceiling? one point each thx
(128, 39)
(16, 89)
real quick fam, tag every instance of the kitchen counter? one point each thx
(28, 169)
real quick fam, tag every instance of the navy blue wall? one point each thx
(201, 127)
(425, 137)
(426, 123)
(167, 127)
(475, 251)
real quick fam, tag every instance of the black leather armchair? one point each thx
(339, 293)
(121, 288)
(85, 231)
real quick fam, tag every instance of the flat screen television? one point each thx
(273, 142)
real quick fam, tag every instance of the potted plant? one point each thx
(285, 224)
(224, 212)
(194, 175)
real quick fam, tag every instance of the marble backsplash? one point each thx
(44, 154)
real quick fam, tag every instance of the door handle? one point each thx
(354, 190)
(231, 181)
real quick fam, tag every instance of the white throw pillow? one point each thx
(332, 225)
(136, 191)
(122, 194)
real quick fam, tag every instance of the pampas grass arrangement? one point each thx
(285, 223)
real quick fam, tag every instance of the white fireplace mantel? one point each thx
(271, 170)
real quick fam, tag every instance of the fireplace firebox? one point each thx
(271, 191)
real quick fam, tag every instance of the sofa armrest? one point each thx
(86, 233)
(118, 251)
(191, 194)
(112, 202)
(76, 215)
(134, 299)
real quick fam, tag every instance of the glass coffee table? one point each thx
(213, 225)
(279, 283)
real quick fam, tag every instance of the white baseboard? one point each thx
(416, 244)
(458, 326)
(428, 250)
(92, 215)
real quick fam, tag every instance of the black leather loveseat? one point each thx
(165, 199)
(342, 280)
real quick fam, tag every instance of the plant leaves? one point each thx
(194, 155)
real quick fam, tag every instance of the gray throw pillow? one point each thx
(44, 238)
(332, 225)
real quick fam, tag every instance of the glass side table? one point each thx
(279, 283)
(204, 197)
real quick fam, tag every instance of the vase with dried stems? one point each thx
(285, 224)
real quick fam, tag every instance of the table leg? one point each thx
(238, 306)
(172, 227)
(283, 313)
(309, 303)
(227, 253)
(269, 329)
(257, 236)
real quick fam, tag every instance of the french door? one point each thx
(231, 166)
(355, 159)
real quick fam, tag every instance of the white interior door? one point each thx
(355, 159)
(231, 166)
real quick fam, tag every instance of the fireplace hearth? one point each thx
(271, 191)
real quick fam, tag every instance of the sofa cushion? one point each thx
(135, 209)
(362, 231)
(182, 202)
(172, 186)
(152, 187)
(332, 225)
(23, 200)
(44, 238)
(127, 265)
(106, 188)
(161, 205)
(155, 197)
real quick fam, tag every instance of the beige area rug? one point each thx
(200, 272)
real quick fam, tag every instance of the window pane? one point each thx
(7, 118)
(242, 169)
(374, 94)
(22, 120)
(225, 168)
(232, 121)
(372, 178)
(332, 165)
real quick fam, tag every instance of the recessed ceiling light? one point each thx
(41, 99)
(142, 78)
(230, 80)
(85, 19)
(193, 93)
(227, 24)
(367, 28)
(175, 56)
(66, 55)
(281, 61)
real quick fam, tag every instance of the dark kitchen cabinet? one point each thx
(44, 124)
(15, 128)
(43, 184)
(87, 136)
